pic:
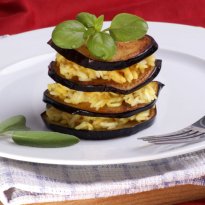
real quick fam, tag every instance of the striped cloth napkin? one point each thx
(25, 182)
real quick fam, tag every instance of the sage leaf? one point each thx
(69, 34)
(86, 19)
(17, 122)
(45, 139)
(101, 45)
(127, 27)
(99, 23)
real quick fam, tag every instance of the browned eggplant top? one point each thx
(125, 50)
(127, 54)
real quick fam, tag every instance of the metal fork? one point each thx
(194, 132)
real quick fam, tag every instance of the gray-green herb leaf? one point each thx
(42, 138)
(127, 27)
(17, 122)
(69, 34)
(101, 45)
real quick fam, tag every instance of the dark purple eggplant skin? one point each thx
(82, 60)
(100, 88)
(99, 135)
(77, 111)
(50, 101)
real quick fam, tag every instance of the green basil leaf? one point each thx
(17, 122)
(99, 23)
(101, 45)
(86, 19)
(69, 34)
(42, 138)
(127, 27)
(89, 32)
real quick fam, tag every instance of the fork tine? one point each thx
(200, 123)
(190, 136)
(176, 140)
(178, 133)
(173, 136)
(179, 141)
(193, 132)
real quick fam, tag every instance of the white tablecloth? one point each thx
(25, 182)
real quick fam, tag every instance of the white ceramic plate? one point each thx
(23, 78)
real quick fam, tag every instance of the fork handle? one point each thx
(200, 123)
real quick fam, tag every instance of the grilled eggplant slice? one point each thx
(128, 53)
(84, 108)
(101, 85)
(128, 130)
(61, 106)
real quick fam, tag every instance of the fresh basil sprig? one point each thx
(87, 19)
(87, 30)
(99, 23)
(15, 127)
(127, 27)
(101, 45)
(69, 34)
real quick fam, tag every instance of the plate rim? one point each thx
(108, 161)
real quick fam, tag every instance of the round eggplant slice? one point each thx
(128, 53)
(123, 111)
(74, 110)
(101, 85)
(101, 135)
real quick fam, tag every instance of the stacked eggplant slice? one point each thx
(95, 99)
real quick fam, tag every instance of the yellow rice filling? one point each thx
(80, 122)
(71, 70)
(98, 100)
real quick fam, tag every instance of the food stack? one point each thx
(102, 99)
